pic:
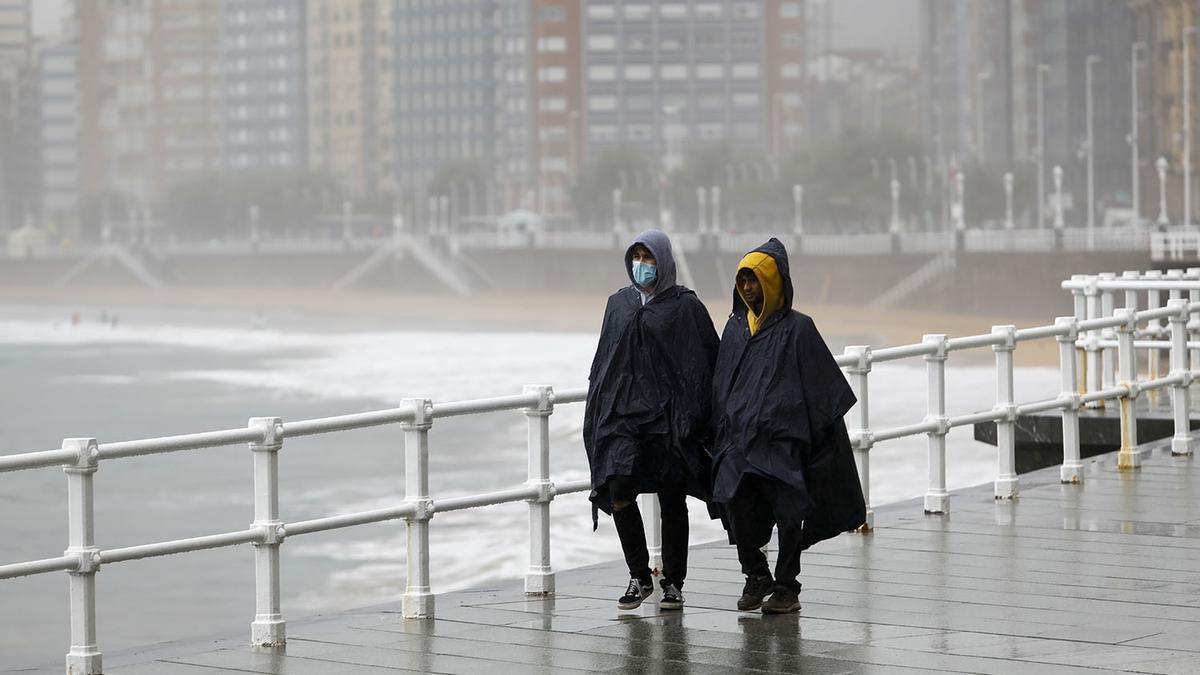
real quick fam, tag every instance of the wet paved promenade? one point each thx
(1068, 579)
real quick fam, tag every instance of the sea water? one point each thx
(161, 373)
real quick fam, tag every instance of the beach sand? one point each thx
(322, 309)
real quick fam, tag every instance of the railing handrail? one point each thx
(1087, 338)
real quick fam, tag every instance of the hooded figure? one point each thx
(781, 452)
(647, 418)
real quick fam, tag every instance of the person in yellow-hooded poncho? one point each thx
(781, 454)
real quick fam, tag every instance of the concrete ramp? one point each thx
(914, 282)
(111, 252)
(419, 253)
(361, 270)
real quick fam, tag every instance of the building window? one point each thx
(745, 10)
(792, 40)
(598, 11)
(601, 43)
(552, 14)
(602, 73)
(789, 10)
(552, 74)
(744, 71)
(552, 44)
(673, 10)
(673, 71)
(602, 103)
(745, 100)
(602, 132)
(638, 72)
(552, 104)
(791, 70)
(708, 10)
(710, 71)
(637, 12)
(638, 132)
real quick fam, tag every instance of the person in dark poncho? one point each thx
(781, 452)
(647, 418)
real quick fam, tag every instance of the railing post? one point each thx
(937, 498)
(84, 658)
(268, 629)
(1107, 305)
(418, 600)
(1181, 442)
(1091, 341)
(1007, 483)
(860, 423)
(652, 521)
(1193, 324)
(1155, 328)
(1080, 305)
(1072, 466)
(539, 580)
(1128, 458)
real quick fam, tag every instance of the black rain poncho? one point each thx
(779, 398)
(648, 409)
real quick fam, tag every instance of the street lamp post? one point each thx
(1059, 221)
(1008, 201)
(1187, 128)
(700, 199)
(980, 78)
(959, 208)
(1161, 165)
(894, 225)
(798, 207)
(715, 191)
(616, 209)
(1092, 59)
(1133, 133)
(1041, 143)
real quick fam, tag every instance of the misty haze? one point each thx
(213, 210)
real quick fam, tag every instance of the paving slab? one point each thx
(1089, 578)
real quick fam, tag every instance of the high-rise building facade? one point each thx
(1163, 25)
(264, 84)
(658, 75)
(15, 44)
(186, 44)
(150, 100)
(348, 55)
(446, 90)
(540, 106)
(58, 94)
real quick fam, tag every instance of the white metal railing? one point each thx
(1174, 245)
(1096, 330)
(81, 457)
(1090, 376)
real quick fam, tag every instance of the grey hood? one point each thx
(660, 245)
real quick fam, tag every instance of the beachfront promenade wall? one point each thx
(1098, 346)
(851, 273)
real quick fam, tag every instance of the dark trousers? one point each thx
(751, 518)
(672, 500)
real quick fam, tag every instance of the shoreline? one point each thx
(315, 309)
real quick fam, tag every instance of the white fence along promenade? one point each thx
(1090, 375)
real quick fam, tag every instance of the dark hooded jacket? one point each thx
(648, 412)
(778, 400)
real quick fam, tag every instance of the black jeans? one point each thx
(751, 518)
(672, 499)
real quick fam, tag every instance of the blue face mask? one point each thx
(644, 274)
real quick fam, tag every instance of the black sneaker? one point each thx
(756, 588)
(782, 601)
(635, 594)
(671, 598)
